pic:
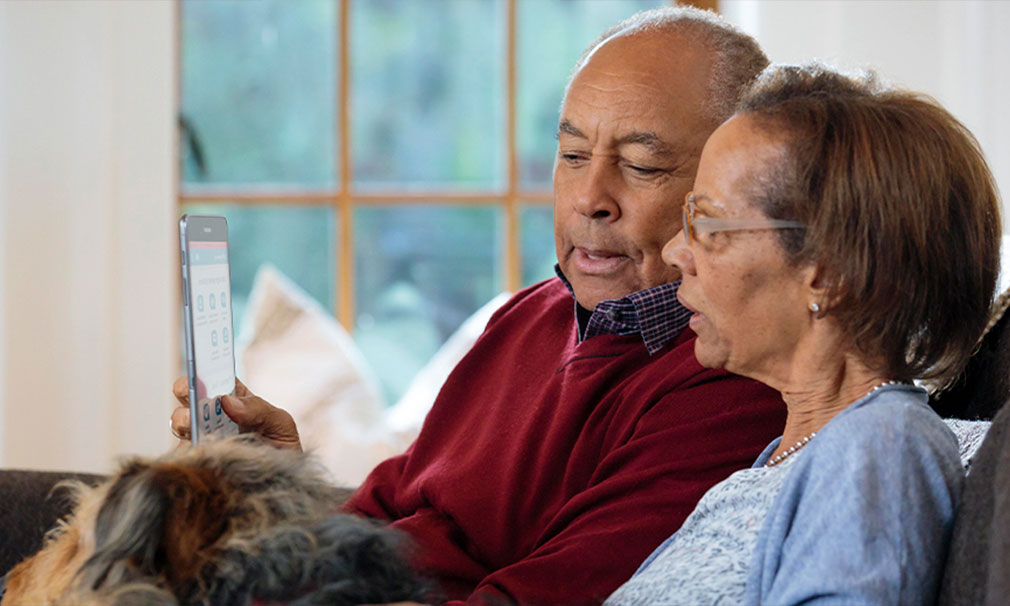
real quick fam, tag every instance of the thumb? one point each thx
(254, 414)
(238, 411)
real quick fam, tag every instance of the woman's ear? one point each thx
(818, 287)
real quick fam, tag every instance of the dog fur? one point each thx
(232, 522)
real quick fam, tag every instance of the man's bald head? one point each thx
(640, 104)
(736, 57)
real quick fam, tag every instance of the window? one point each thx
(392, 157)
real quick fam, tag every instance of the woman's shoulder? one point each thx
(886, 448)
(846, 503)
(893, 410)
(895, 420)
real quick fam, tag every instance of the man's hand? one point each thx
(252, 413)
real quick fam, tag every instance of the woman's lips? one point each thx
(593, 261)
(686, 305)
(697, 318)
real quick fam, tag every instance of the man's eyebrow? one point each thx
(648, 139)
(568, 128)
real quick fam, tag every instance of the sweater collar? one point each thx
(655, 313)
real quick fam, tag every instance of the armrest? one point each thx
(29, 510)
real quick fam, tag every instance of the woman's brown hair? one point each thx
(902, 214)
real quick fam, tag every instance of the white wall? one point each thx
(88, 276)
(955, 50)
(3, 223)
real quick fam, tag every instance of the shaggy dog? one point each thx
(227, 522)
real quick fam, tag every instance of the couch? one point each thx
(978, 569)
(31, 506)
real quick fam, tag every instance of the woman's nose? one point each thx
(678, 254)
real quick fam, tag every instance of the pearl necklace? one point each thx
(792, 449)
(806, 439)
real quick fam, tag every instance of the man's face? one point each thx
(632, 128)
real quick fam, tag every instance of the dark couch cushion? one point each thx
(978, 564)
(984, 385)
(30, 508)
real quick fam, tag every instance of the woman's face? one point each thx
(749, 304)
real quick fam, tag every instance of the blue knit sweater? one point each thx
(861, 515)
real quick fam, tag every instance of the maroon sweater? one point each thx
(547, 469)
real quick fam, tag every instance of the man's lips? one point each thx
(597, 261)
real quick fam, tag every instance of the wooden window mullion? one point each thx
(513, 266)
(344, 211)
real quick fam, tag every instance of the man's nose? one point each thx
(677, 253)
(596, 193)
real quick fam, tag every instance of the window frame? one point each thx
(344, 199)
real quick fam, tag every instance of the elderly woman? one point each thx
(841, 241)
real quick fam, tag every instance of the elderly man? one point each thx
(578, 434)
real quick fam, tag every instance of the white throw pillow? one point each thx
(1004, 274)
(969, 437)
(295, 355)
(404, 419)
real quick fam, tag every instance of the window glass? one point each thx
(419, 272)
(297, 240)
(260, 103)
(428, 93)
(552, 35)
(259, 83)
(538, 253)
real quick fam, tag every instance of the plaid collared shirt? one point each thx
(654, 312)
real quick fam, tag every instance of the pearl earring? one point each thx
(814, 307)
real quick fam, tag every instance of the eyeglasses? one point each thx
(693, 226)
